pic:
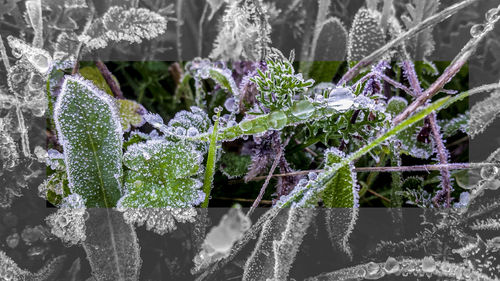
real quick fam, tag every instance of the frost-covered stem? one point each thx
(3, 52)
(266, 183)
(249, 235)
(443, 159)
(386, 11)
(394, 83)
(428, 22)
(117, 92)
(200, 28)
(178, 27)
(84, 31)
(449, 73)
(417, 168)
(211, 159)
(441, 149)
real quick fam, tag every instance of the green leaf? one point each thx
(458, 124)
(159, 175)
(89, 130)
(341, 191)
(130, 114)
(365, 36)
(111, 246)
(224, 79)
(93, 74)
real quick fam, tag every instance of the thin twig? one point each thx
(448, 74)
(84, 31)
(266, 202)
(266, 183)
(117, 92)
(379, 195)
(417, 168)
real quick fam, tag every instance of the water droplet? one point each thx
(489, 172)
(428, 264)
(391, 265)
(476, 30)
(180, 131)
(277, 120)
(230, 105)
(36, 82)
(217, 109)
(492, 14)
(340, 99)
(246, 126)
(303, 109)
(40, 62)
(372, 268)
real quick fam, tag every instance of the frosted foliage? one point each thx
(132, 25)
(221, 238)
(287, 247)
(159, 175)
(111, 246)
(244, 36)
(278, 245)
(68, 223)
(196, 118)
(483, 113)
(365, 35)
(159, 220)
(260, 264)
(90, 132)
(9, 270)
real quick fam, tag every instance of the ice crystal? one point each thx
(68, 223)
(221, 238)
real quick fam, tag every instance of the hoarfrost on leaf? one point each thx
(159, 220)
(90, 132)
(118, 24)
(160, 175)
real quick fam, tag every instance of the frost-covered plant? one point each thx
(113, 166)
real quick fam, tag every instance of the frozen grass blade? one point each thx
(211, 159)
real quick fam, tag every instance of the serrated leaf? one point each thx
(130, 114)
(421, 45)
(90, 132)
(93, 74)
(118, 24)
(453, 126)
(159, 175)
(111, 246)
(365, 35)
(341, 191)
(483, 113)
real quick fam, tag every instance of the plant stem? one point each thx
(200, 28)
(417, 168)
(448, 74)
(266, 183)
(430, 21)
(211, 159)
(117, 92)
